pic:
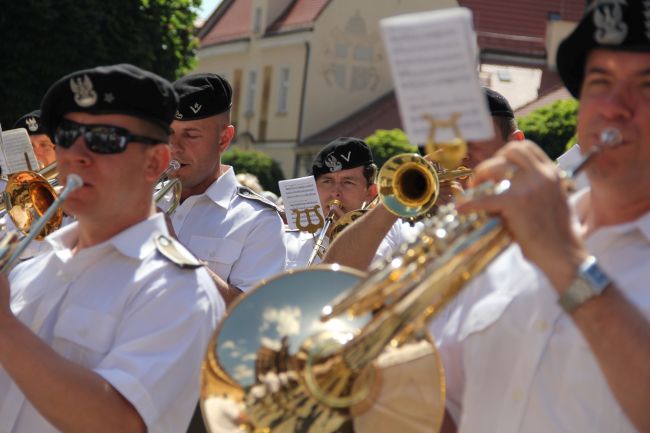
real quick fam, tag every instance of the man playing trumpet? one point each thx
(345, 171)
(107, 331)
(562, 340)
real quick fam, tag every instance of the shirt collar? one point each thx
(135, 242)
(222, 189)
(642, 224)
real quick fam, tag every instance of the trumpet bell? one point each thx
(27, 197)
(408, 185)
(282, 367)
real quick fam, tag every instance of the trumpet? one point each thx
(334, 374)
(167, 184)
(11, 248)
(409, 185)
(318, 246)
(28, 195)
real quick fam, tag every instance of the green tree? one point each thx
(266, 169)
(551, 126)
(385, 143)
(43, 40)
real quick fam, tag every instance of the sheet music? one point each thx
(432, 57)
(300, 194)
(15, 151)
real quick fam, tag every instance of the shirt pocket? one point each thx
(218, 250)
(84, 335)
(485, 313)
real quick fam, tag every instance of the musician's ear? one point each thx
(517, 135)
(372, 191)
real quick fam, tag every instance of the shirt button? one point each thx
(517, 395)
(541, 325)
(212, 254)
(83, 332)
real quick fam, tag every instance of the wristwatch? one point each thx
(590, 282)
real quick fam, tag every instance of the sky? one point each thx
(207, 7)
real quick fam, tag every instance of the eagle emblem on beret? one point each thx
(178, 115)
(332, 163)
(32, 124)
(82, 89)
(608, 20)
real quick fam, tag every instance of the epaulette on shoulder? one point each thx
(176, 253)
(246, 192)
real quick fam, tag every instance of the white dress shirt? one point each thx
(515, 362)
(240, 238)
(122, 310)
(300, 244)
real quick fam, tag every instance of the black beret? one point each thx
(499, 105)
(31, 122)
(115, 89)
(609, 24)
(202, 95)
(342, 154)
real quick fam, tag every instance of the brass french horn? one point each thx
(287, 371)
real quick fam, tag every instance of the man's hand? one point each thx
(535, 208)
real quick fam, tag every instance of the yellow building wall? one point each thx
(556, 31)
(347, 70)
(348, 67)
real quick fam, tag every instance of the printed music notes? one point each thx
(433, 62)
(302, 204)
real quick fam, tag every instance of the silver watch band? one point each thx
(590, 281)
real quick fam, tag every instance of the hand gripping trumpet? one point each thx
(318, 246)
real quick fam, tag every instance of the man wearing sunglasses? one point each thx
(237, 232)
(107, 331)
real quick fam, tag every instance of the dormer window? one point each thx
(257, 21)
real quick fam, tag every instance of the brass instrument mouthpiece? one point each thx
(174, 165)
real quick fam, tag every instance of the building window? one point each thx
(363, 53)
(250, 95)
(257, 21)
(554, 16)
(283, 92)
(504, 75)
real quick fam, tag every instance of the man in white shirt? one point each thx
(344, 170)
(235, 231)
(562, 342)
(41, 142)
(108, 330)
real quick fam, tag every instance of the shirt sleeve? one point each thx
(263, 253)
(160, 344)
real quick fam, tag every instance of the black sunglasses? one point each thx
(104, 139)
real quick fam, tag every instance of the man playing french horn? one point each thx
(555, 335)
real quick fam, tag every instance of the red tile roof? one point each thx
(231, 21)
(518, 26)
(383, 113)
(301, 14)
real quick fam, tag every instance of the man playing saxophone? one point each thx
(106, 332)
(561, 340)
